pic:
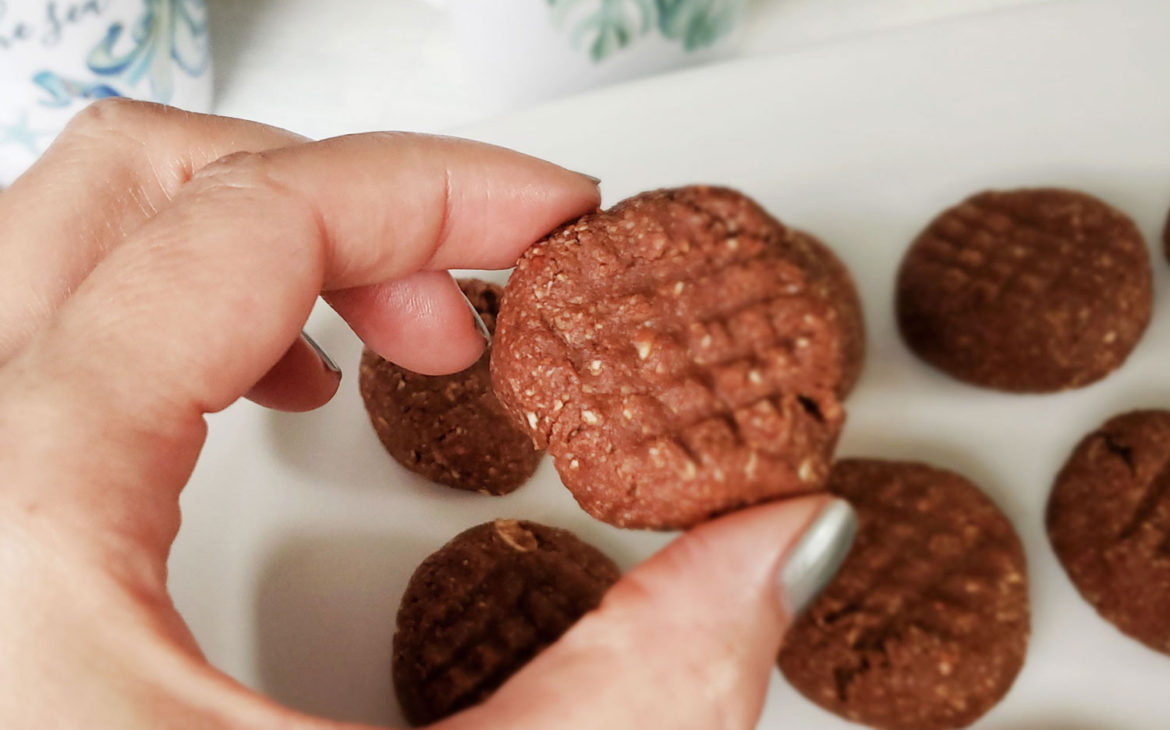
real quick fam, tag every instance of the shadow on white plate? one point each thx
(335, 444)
(325, 612)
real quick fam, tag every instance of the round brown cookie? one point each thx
(1028, 290)
(449, 428)
(677, 357)
(479, 609)
(1109, 523)
(926, 625)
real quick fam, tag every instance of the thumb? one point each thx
(688, 639)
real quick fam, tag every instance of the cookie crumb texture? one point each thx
(680, 355)
(927, 623)
(1109, 523)
(483, 606)
(451, 429)
(1035, 290)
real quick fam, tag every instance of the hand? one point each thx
(147, 279)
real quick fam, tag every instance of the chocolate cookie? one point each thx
(677, 354)
(1027, 290)
(449, 428)
(483, 606)
(926, 625)
(1109, 523)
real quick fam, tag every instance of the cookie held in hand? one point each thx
(680, 355)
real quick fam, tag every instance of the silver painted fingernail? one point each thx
(817, 556)
(479, 325)
(325, 359)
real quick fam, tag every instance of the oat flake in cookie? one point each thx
(1034, 290)
(486, 603)
(1109, 523)
(677, 356)
(449, 428)
(926, 625)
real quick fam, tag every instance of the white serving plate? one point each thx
(301, 533)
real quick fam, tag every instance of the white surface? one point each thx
(352, 65)
(301, 533)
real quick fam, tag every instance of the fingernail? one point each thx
(817, 556)
(479, 324)
(590, 178)
(325, 359)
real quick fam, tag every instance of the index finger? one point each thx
(204, 298)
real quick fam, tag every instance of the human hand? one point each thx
(147, 280)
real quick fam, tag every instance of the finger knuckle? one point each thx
(243, 174)
(114, 115)
(239, 169)
(248, 182)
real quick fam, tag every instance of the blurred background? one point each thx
(347, 65)
(327, 68)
